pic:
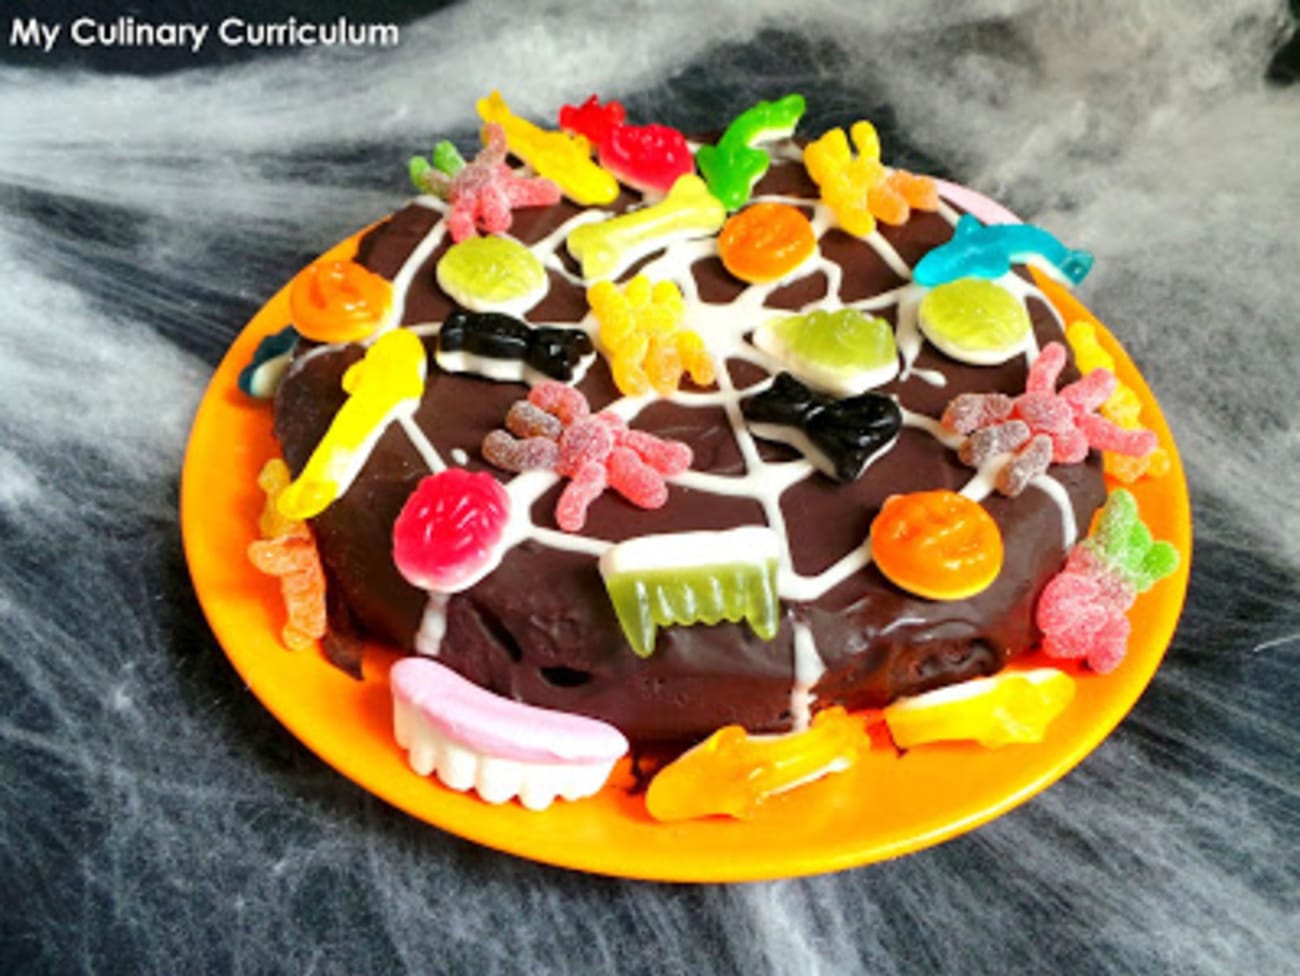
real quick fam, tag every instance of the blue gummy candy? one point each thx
(988, 250)
(276, 346)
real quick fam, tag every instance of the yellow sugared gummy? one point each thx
(641, 333)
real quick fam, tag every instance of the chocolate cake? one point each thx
(540, 627)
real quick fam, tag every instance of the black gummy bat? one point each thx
(848, 432)
(494, 335)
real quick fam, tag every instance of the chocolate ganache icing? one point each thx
(540, 627)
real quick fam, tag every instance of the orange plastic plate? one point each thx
(888, 805)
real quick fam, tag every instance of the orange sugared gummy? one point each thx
(338, 301)
(937, 544)
(765, 242)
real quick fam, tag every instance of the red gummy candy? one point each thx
(666, 457)
(528, 454)
(1045, 413)
(1046, 369)
(1025, 466)
(988, 442)
(585, 442)
(1082, 614)
(971, 411)
(525, 419)
(1090, 392)
(450, 529)
(559, 400)
(635, 480)
(585, 486)
(1107, 436)
(593, 120)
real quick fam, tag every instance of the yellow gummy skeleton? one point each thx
(1009, 707)
(559, 157)
(609, 247)
(1123, 409)
(641, 333)
(845, 179)
(387, 383)
(732, 772)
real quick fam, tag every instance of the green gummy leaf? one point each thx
(1160, 561)
(419, 168)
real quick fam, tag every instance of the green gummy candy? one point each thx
(975, 321)
(447, 158)
(492, 274)
(1124, 543)
(647, 600)
(841, 341)
(419, 168)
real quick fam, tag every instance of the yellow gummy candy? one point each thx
(273, 479)
(846, 180)
(555, 155)
(732, 772)
(607, 248)
(640, 331)
(1122, 408)
(388, 382)
(1015, 706)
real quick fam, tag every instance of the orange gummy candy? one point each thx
(732, 772)
(338, 301)
(936, 544)
(294, 560)
(765, 242)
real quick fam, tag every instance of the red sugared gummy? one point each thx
(971, 411)
(1090, 392)
(1025, 466)
(526, 419)
(1046, 369)
(1082, 613)
(988, 442)
(449, 529)
(586, 441)
(1107, 436)
(585, 486)
(528, 454)
(666, 457)
(635, 480)
(559, 400)
(1045, 413)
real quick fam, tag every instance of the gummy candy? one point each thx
(449, 533)
(502, 347)
(766, 242)
(1064, 419)
(975, 321)
(338, 301)
(586, 484)
(844, 353)
(986, 443)
(734, 165)
(1014, 706)
(1122, 409)
(270, 359)
(553, 155)
(640, 331)
(859, 189)
(273, 479)
(524, 419)
(492, 274)
(733, 773)
(840, 437)
(693, 577)
(500, 748)
(526, 454)
(937, 544)
(566, 403)
(606, 249)
(294, 560)
(1082, 610)
(989, 250)
(287, 550)
(649, 158)
(483, 193)
(387, 383)
(594, 452)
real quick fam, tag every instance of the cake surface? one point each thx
(540, 627)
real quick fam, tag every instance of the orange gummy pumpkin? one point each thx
(936, 544)
(765, 242)
(338, 301)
